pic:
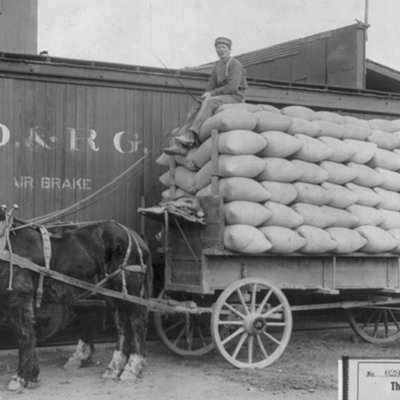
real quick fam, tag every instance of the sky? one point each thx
(181, 33)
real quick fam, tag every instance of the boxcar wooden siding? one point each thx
(61, 142)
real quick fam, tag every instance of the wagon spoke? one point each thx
(394, 320)
(228, 322)
(270, 337)
(276, 324)
(262, 347)
(240, 344)
(253, 299)
(178, 338)
(375, 332)
(272, 310)
(386, 323)
(370, 319)
(242, 300)
(250, 348)
(264, 301)
(233, 335)
(173, 326)
(201, 335)
(190, 339)
(233, 309)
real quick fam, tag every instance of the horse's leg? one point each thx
(88, 320)
(28, 367)
(122, 350)
(136, 363)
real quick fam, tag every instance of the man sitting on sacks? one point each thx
(226, 85)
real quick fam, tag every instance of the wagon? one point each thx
(246, 312)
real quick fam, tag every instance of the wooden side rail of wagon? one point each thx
(152, 304)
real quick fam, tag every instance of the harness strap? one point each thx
(47, 256)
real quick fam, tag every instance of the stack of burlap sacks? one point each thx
(299, 180)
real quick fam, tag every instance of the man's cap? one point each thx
(223, 40)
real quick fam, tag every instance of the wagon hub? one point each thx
(254, 324)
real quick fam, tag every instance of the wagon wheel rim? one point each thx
(50, 319)
(251, 323)
(378, 325)
(184, 334)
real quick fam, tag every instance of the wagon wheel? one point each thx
(50, 318)
(186, 335)
(375, 324)
(251, 323)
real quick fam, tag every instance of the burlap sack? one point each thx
(283, 240)
(311, 194)
(310, 172)
(340, 197)
(366, 215)
(184, 179)
(245, 239)
(245, 212)
(380, 124)
(349, 119)
(236, 142)
(269, 107)
(282, 216)
(313, 150)
(378, 240)
(341, 151)
(395, 232)
(348, 240)
(365, 196)
(166, 194)
(313, 215)
(330, 129)
(329, 116)
(338, 173)
(164, 160)
(384, 140)
(391, 179)
(385, 159)
(188, 160)
(240, 106)
(279, 170)
(356, 132)
(238, 188)
(391, 219)
(343, 218)
(389, 200)
(228, 120)
(299, 112)
(246, 166)
(303, 127)
(366, 176)
(317, 240)
(280, 144)
(280, 192)
(363, 151)
(271, 121)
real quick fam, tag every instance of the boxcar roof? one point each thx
(57, 69)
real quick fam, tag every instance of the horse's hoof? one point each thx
(110, 374)
(17, 384)
(73, 363)
(133, 368)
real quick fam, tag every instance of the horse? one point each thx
(104, 251)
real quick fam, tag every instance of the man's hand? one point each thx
(205, 95)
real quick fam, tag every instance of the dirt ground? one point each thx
(307, 370)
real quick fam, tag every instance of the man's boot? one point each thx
(187, 139)
(176, 150)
